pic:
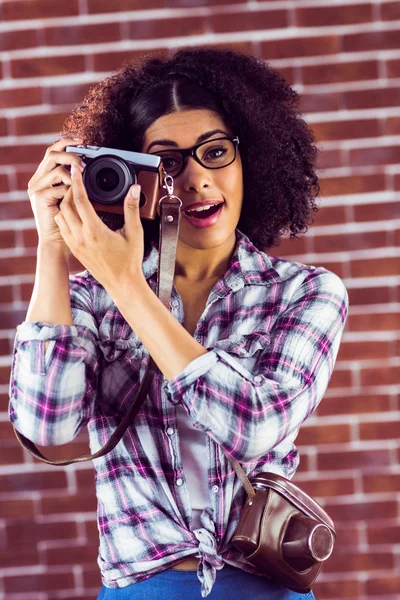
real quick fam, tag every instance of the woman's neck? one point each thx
(196, 265)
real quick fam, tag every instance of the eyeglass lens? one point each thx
(212, 155)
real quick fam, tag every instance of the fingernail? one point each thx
(135, 191)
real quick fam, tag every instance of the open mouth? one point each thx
(204, 213)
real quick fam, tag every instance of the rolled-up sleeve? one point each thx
(53, 390)
(249, 413)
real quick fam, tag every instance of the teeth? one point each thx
(206, 207)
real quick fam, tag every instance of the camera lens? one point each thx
(107, 179)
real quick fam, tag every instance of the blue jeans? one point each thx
(175, 584)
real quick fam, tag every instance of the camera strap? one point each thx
(170, 207)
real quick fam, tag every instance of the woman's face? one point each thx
(196, 184)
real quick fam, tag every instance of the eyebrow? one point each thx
(201, 138)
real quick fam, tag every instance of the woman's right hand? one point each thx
(49, 185)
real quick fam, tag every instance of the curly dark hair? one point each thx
(277, 147)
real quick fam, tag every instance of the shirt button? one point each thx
(215, 489)
(170, 431)
(257, 379)
(175, 303)
(179, 481)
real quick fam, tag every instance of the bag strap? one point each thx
(244, 480)
(169, 229)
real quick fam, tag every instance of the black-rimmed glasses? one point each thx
(213, 154)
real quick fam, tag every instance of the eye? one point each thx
(215, 153)
(169, 161)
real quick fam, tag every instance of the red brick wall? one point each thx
(344, 58)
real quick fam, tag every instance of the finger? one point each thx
(132, 210)
(57, 176)
(71, 215)
(82, 203)
(53, 159)
(60, 145)
(63, 227)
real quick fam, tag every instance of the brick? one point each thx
(371, 40)
(348, 535)
(24, 532)
(340, 378)
(373, 322)
(163, 28)
(320, 102)
(39, 124)
(359, 562)
(376, 267)
(72, 35)
(23, 176)
(304, 465)
(353, 459)
(388, 482)
(57, 504)
(30, 238)
(329, 215)
(346, 242)
(67, 95)
(354, 184)
(4, 184)
(364, 350)
(322, 487)
(380, 431)
(26, 9)
(375, 295)
(64, 451)
(91, 577)
(336, 267)
(4, 399)
(383, 585)
(109, 61)
(15, 508)
(22, 154)
(47, 66)
(290, 247)
(20, 97)
(249, 20)
(382, 376)
(3, 127)
(78, 554)
(327, 434)
(329, 16)
(5, 345)
(372, 98)
(343, 130)
(383, 534)
(16, 210)
(390, 11)
(329, 159)
(91, 531)
(392, 126)
(85, 480)
(365, 511)
(22, 557)
(15, 40)
(332, 590)
(300, 47)
(4, 371)
(6, 293)
(393, 68)
(384, 211)
(104, 6)
(7, 239)
(11, 454)
(339, 72)
(35, 481)
(43, 582)
(17, 265)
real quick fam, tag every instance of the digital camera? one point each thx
(108, 175)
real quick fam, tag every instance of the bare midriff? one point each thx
(189, 564)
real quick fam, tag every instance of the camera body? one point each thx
(108, 175)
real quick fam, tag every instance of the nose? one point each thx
(194, 176)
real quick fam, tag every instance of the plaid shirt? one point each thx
(272, 329)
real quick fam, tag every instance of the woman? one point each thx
(246, 352)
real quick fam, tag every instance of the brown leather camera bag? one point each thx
(282, 531)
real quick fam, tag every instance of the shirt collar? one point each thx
(248, 266)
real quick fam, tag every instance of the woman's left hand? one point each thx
(112, 257)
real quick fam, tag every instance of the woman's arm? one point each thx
(247, 413)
